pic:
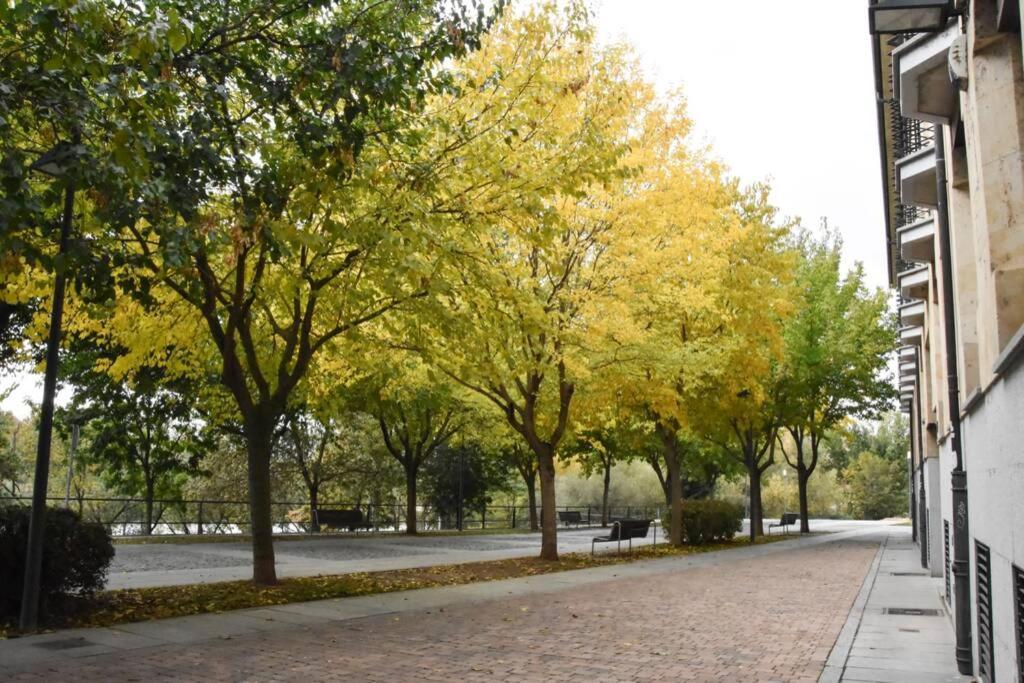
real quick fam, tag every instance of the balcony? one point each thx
(912, 335)
(914, 283)
(912, 314)
(908, 354)
(917, 241)
(922, 84)
(908, 369)
(915, 178)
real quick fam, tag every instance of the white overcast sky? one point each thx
(782, 90)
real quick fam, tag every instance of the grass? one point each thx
(142, 604)
(182, 539)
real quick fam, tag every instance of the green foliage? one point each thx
(76, 555)
(877, 487)
(709, 521)
(482, 478)
(889, 439)
(826, 497)
(143, 435)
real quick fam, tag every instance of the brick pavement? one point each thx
(768, 618)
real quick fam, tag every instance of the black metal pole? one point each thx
(922, 498)
(462, 457)
(910, 464)
(961, 549)
(37, 520)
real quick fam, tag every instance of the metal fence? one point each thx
(126, 516)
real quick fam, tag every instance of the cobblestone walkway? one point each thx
(768, 618)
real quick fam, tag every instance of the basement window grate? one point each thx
(908, 574)
(983, 590)
(1018, 598)
(912, 612)
(948, 567)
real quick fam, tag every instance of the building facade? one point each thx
(950, 97)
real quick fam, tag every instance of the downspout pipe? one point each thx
(961, 535)
(922, 497)
(914, 522)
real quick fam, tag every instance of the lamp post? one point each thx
(54, 163)
(908, 16)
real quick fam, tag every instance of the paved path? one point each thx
(141, 565)
(764, 613)
(891, 648)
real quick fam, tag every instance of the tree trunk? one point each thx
(802, 476)
(604, 498)
(674, 481)
(258, 443)
(314, 502)
(531, 495)
(756, 516)
(410, 501)
(675, 529)
(148, 530)
(548, 524)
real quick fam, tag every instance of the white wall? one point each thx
(994, 458)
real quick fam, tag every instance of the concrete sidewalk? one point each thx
(878, 645)
(25, 653)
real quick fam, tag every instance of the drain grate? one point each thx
(65, 644)
(912, 611)
(908, 574)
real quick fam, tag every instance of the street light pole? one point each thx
(37, 520)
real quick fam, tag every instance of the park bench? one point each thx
(568, 517)
(624, 530)
(788, 519)
(341, 519)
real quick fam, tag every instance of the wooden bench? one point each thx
(624, 530)
(341, 519)
(568, 517)
(788, 519)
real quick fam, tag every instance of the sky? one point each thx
(783, 91)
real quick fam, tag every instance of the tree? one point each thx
(324, 450)
(837, 344)
(551, 127)
(141, 434)
(596, 451)
(876, 488)
(524, 462)
(462, 477)
(417, 415)
(888, 438)
(273, 214)
(11, 432)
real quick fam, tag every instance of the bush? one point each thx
(708, 521)
(76, 555)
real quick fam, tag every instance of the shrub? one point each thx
(76, 555)
(708, 521)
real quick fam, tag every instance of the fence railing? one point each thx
(126, 516)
